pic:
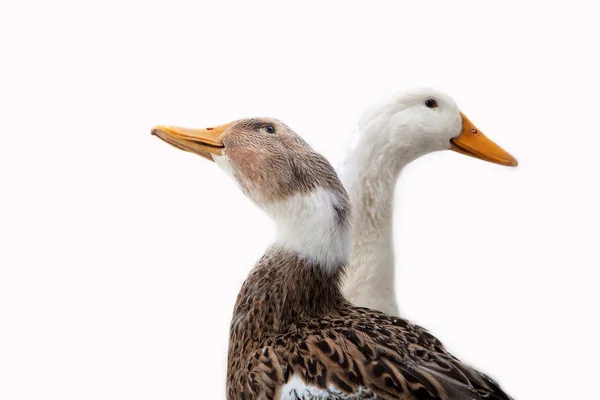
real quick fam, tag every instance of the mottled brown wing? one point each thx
(384, 359)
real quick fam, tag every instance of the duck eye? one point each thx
(270, 129)
(431, 103)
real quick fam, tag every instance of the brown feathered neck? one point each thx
(284, 287)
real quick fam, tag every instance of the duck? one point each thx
(396, 130)
(293, 335)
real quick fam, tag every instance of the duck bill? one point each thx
(204, 142)
(472, 142)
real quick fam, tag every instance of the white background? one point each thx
(121, 257)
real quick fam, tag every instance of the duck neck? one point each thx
(315, 226)
(283, 289)
(370, 177)
(300, 274)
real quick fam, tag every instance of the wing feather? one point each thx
(370, 357)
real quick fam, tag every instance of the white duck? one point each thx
(390, 134)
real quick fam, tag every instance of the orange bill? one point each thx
(472, 142)
(203, 142)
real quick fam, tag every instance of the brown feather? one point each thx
(291, 319)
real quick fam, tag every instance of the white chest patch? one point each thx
(296, 389)
(309, 225)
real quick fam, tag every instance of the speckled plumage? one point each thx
(290, 318)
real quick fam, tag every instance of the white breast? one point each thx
(296, 389)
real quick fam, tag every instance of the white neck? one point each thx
(370, 176)
(309, 225)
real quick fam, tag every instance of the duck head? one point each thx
(281, 174)
(422, 121)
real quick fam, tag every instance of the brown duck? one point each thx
(293, 334)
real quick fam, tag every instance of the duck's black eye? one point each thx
(270, 129)
(431, 103)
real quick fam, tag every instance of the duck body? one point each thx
(392, 133)
(317, 345)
